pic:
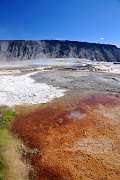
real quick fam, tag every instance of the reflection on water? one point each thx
(89, 67)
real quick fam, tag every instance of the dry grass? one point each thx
(15, 168)
(11, 165)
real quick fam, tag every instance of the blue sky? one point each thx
(82, 20)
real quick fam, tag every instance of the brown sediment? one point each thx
(75, 137)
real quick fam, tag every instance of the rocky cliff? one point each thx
(27, 50)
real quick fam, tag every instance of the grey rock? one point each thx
(30, 50)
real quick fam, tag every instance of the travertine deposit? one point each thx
(73, 138)
(22, 89)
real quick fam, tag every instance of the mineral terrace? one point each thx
(68, 121)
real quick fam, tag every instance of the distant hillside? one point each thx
(28, 50)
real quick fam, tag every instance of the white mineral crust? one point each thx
(22, 89)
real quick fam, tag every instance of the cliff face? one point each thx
(28, 50)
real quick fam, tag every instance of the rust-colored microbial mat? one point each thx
(75, 138)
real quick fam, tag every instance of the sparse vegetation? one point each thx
(5, 138)
(6, 118)
(2, 168)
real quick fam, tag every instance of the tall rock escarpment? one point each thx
(29, 50)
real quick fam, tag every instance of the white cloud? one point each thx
(115, 45)
(58, 38)
(101, 39)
